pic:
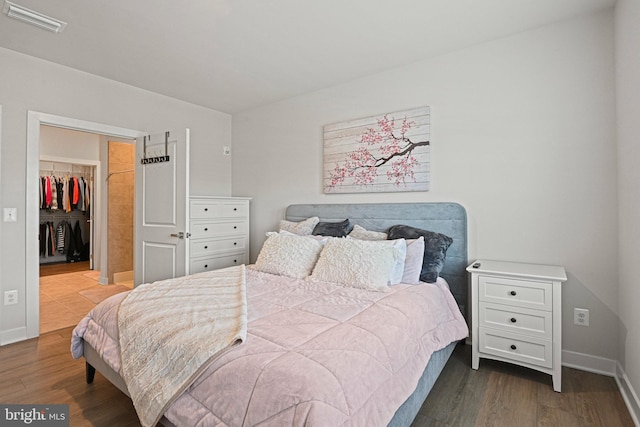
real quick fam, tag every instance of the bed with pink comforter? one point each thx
(316, 353)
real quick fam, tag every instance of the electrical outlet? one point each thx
(10, 297)
(581, 316)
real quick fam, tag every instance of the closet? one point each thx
(66, 201)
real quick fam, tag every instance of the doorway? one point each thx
(34, 121)
(71, 239)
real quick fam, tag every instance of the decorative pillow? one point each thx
(302, 228)
(435, 249)
(356, 263)
(413, 261)
(362, 233)
(288, 255)
(321, 239)
(397, 272)
(333, 229)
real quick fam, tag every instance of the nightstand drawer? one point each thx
(204, 247)
(519, 293)
(516, 347)
(524, 321)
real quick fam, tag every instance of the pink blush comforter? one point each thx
(316, 354)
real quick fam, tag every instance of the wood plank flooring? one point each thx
(42, 371)
(500, 394)
(63, 267)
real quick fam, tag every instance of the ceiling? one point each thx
(233, 55)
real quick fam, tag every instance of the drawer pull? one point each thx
(235, 243)
(206, 229)
(513, 320)
(235, 227)
(206, 265)
(206, 209)
(235, 209)
(206, 247)
(513, 347)
(235, 261)
(513, 293)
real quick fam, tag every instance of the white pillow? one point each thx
(413, 261)
(397, 272)
(302, 228)
(288, 255)
(356, 263)
(362, 233)
(321, 239)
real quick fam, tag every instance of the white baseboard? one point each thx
(608, 367)
(628, 394)
(13, 335)
(589, 363)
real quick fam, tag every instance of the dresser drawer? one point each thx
(204, 247)
(215, 263)
(524, 321)
(516, 347)
(211, 209)
(518, 293)
(199, 229)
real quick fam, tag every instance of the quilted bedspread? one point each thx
(316, 353)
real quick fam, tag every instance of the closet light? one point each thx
(32, 17)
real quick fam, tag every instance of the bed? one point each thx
(353, 371)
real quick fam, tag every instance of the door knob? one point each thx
(179, 235)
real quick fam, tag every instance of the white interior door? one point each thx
(162, 204)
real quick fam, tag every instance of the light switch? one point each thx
(10, 214)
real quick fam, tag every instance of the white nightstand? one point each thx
(517, 315)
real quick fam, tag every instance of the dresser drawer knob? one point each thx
(235, 209)
(513, 347)
(513, 293)
(206, 229)
(206, 209)
(206, 247)
(235, 227)
(235, 243)
(513, 320)
(206, 265)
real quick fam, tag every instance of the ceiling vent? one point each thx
(32, 17)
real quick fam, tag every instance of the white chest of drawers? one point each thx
(517, 315)
(219, 233)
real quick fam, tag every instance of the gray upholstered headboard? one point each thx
(445, 218)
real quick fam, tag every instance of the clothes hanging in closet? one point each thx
(65, 193)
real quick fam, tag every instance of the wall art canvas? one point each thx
(384, 153)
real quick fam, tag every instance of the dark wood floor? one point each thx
(42, 371)
(500, 394)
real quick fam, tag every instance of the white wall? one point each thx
(523, 135)
(27, 83)
(627, 17)
(58, 142)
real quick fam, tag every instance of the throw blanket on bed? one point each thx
(171, 329)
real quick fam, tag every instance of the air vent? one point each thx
(32, 17)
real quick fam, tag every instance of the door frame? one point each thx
(32, 214)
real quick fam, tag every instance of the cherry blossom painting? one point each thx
(382, 153)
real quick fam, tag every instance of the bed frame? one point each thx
(446, 218)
